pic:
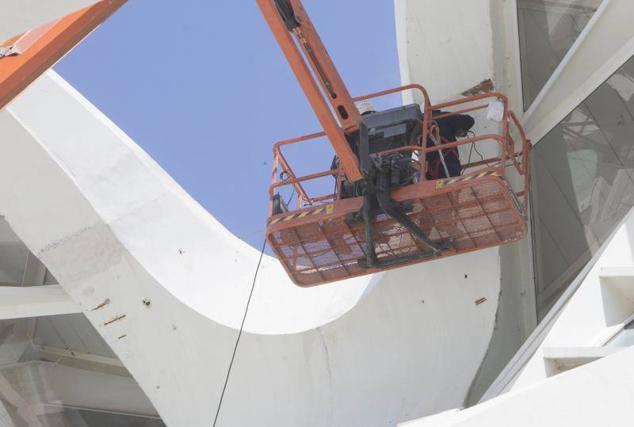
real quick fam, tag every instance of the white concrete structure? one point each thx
(137, 236)
(568, 372)
(565, 374)
(165, 285)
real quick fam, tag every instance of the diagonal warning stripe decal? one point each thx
(444, 182)
(324, 209)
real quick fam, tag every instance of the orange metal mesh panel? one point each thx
(476, 215)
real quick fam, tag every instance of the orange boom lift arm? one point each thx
(316, 73)
(339, 117)
(25, 57)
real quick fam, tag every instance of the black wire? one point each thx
(469, 159)
(244, 318)
(235, 347)
(290, 198)
(474, 146)
(479, 153)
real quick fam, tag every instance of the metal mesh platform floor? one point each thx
(472, 217)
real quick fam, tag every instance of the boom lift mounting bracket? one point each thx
(376, 190)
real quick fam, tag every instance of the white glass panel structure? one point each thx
(582, 184)
(547, 29)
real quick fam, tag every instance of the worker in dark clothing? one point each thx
(449, 129)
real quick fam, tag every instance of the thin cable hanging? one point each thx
(244, 318)
(235, 347)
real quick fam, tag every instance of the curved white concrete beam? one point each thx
(135, 197)
(113, 227)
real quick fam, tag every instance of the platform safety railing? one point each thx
(512, 153)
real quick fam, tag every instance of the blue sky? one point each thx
(202, 86)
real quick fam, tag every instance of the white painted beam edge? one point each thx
(565, 353)
(617, 272)
(35, 301)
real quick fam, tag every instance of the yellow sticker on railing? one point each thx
(441, 184)
(324, 209)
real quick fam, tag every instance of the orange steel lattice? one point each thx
(26, 56)
(479, 209)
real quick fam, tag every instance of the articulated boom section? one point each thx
(397, 199)
(25, 57)
(317, 75)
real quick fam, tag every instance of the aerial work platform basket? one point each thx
(406, 186)
(320, 238)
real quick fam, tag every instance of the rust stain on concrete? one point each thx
(116, 319)
(485, 86)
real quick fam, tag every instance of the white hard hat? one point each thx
(365, 107)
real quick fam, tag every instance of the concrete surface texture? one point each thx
(446, 45)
